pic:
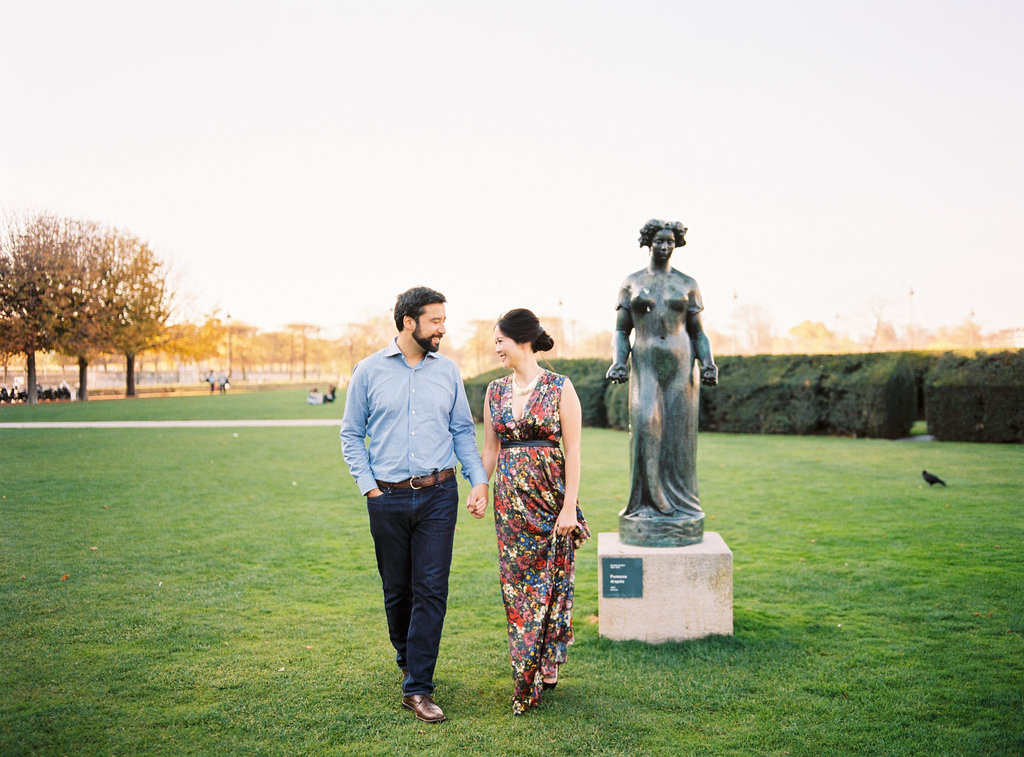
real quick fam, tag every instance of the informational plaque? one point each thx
(622, 577)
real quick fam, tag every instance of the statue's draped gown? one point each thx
(664, 391)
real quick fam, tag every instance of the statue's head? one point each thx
(652, 227)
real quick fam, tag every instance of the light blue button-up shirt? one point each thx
(417, 418)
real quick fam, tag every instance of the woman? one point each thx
(536, 516)
(663, 307)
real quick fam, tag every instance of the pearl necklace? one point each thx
(526, 390)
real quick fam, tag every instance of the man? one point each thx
(411, 402)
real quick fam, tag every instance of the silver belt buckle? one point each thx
(412, 485)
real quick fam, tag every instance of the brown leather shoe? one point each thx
(423, 707)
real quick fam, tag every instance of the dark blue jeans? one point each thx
(413, 530)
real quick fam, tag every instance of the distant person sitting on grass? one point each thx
(314, 397)
(329, 397)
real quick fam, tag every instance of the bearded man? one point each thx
(410, 401)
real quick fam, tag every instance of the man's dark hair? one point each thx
(411, 303)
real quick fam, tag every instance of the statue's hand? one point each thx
(618, 373)
(709, 376)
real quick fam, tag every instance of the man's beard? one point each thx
(426, 342)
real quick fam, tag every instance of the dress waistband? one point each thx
(507, 443)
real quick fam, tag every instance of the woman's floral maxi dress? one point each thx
(536, 568)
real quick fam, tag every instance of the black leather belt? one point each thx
(507, 443)
(419, 482)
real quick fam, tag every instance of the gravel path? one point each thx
(176, 424)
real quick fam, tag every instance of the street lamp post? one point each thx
(911, 295)
(228, 319)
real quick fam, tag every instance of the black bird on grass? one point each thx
(931, 478)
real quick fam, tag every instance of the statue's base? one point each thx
(660, 531)
(684, 592)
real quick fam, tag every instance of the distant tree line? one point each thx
(750, 330)
(76, 289)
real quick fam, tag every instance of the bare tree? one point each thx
(755, 323)
(302, 331)
(478, 351)
(245, 346)
(594, 344)
(361, 339)
(274, 347)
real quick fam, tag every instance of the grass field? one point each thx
(231, 406)
(213, 591)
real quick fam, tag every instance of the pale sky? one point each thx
(306, 161)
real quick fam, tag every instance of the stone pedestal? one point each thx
(684, 592)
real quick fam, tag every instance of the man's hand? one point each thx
(374, 492)
(477, 502)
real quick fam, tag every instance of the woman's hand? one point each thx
(567, 521)
(477, 502)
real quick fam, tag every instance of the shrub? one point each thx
(920, 364)
(977, 398)
(871, 395)
(616, 405)
(855, 395)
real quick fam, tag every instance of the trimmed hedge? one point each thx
(873, 395)
(853, 395)
(920, 363)
(964, 397)
(977, 398)
(616, 403)
(587, 376)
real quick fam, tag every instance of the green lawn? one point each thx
(229, 406)
(231, 604)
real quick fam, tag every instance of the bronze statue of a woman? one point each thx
(662, 307)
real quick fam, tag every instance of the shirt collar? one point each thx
(392, 349)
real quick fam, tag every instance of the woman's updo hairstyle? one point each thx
(523, 327)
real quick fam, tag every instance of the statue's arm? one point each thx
(702, 349)
(619, 370)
